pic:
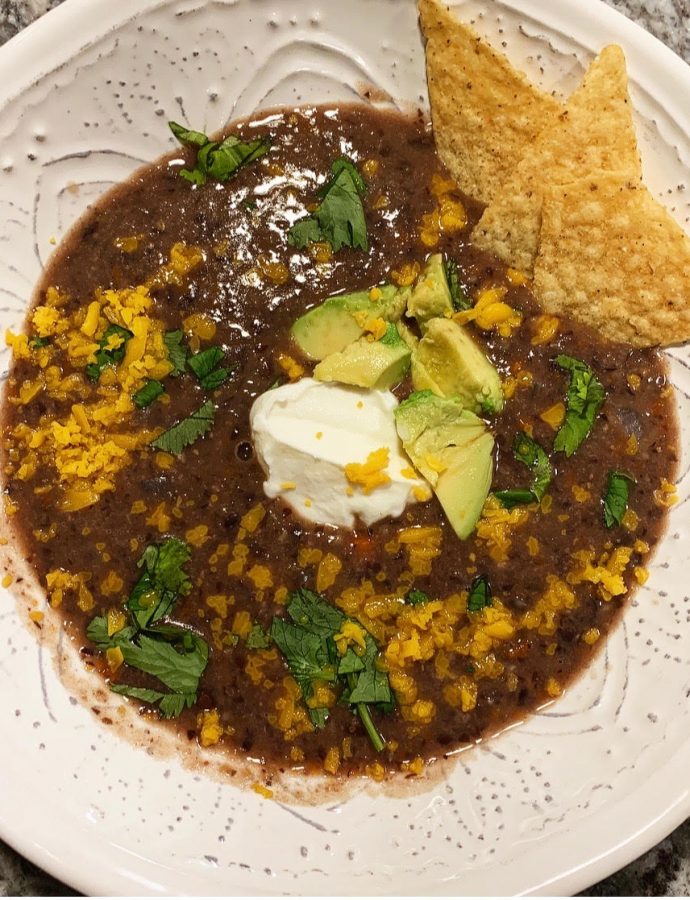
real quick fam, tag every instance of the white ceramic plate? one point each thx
(553, 804)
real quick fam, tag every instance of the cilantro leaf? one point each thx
(458, 297)
(37, 342)
(319, 716)
(258, 639)
(480, 594)
(161, 583)
(147, 393)
(528, 451)
(303, 232)
(177, 667)
(514, 497)
(106, 355)
(164, 563)
(344, 164)
(584, 398)
(339, 218)
(219, 160)
(306, 653)
(97, 632)
(174, 655)
(308, 643)
(214, 379)
(414, 597)
(616, 497)
(372, 687)
(391, 336)
(205, 367)
(177, 351)
(187, 137)
(314, 614)
(170, 705)
(186, 431)
(350, 663)
(205, 361)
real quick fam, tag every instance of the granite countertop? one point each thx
(665, 870)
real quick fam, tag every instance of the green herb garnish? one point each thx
(187, 137)
(37, 342)
(528, 451)
(148, 392)
(106, 356)
(187, 431)
(616, 497)
(480, 594)
(515, 497)
(177, 351)
(391, 337)
(258, 639)
(458, 297)
(219, 160)
(415, 597)
(339, 218)
(161, 583)
(584, 399)
(308, 644)
(175, 656)
(205, 366)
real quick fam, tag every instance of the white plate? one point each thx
(551, 805)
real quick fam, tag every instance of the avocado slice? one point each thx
(430, 426)
(463, 488)
(431, 297)
(452, 448)
(449, 363)
(407, 334)
(371, 364)
(331, 326)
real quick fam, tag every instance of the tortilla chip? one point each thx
(594, 133)
(611, 256)
(485, 113)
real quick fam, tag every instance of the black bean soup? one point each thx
(148, 548)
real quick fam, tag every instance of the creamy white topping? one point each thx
(306, 433)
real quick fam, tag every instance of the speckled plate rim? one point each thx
(620, 834)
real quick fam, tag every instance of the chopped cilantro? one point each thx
(415, 597)
(309, 647)
(148, 393)
(177, 351)
(584, 398)
(219, 160)
(480, 594)
(391, 337)
(186, 431)
(175, 656)
(515, 497)
(257, 639)
(37, 342)
(188, 137)
(457, 294)
(162, 581)
(528, 451)
(108, 355)
(616, 497)
(339, 218)
(205, 366)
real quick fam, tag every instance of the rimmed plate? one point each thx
(551, 805)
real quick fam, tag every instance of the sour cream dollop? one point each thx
(306, 433)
